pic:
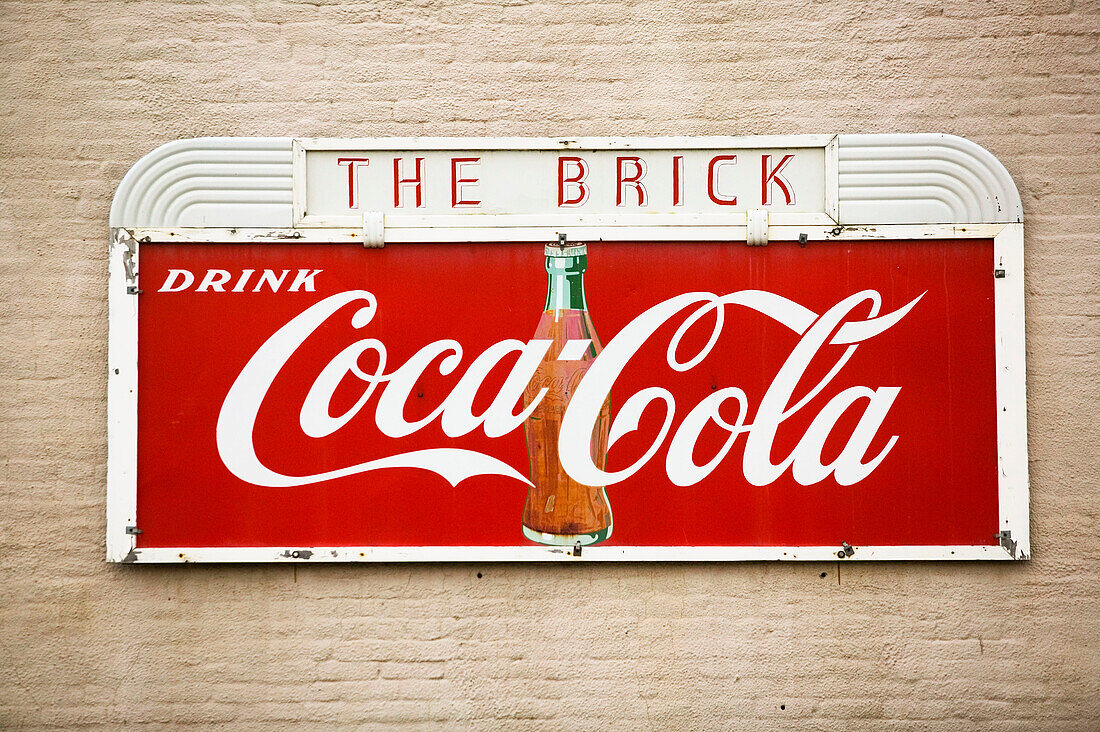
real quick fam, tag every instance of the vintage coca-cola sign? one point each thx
(568, 397)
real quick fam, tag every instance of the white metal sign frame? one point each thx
(986, 207)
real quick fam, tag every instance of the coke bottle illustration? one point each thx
(559, 510)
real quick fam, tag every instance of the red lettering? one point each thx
(770, 175)
(717, 163)
(459, 182)
(416, 181)
(353, 179)
(634, 180)
(677, 180)
(576, 179)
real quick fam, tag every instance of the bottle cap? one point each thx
(570, 250)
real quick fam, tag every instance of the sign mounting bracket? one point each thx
(757, 235)
(374, 229)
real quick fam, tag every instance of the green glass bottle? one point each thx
(560, 511)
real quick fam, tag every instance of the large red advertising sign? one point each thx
(693, 394)
(797, 347)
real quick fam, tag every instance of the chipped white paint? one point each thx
(121, 395)
(561, 554)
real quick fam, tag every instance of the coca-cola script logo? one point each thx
(242, 403)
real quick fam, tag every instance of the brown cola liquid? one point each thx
(560, 510)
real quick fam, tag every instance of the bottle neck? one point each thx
(565, 288)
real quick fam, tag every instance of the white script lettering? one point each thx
(239, 411)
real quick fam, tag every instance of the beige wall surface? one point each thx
(86, 88)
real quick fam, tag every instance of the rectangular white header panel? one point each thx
(339, 182)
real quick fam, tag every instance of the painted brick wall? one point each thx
(87, 87)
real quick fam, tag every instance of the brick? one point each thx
(87, 87)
